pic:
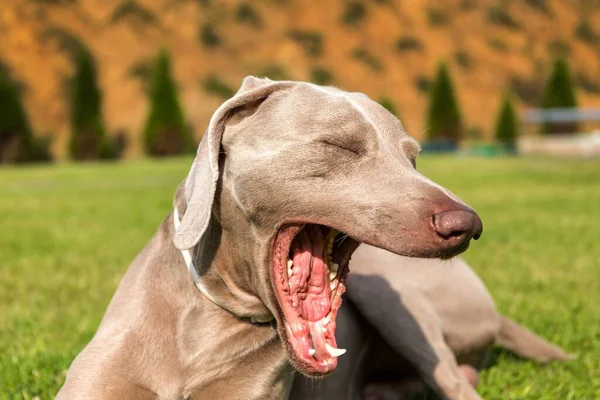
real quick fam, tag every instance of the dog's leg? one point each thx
(412, 328)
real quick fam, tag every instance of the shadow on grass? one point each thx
(492, 358)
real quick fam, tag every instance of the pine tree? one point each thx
(443, 118)
(507, 126)
(165, 132)
(559, 93)
(17, 143)
(88, 133)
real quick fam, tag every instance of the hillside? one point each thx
(388, 49)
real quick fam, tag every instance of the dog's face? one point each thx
(308, 173)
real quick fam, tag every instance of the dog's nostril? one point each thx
(459, 224)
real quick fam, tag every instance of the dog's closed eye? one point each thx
(349, 148)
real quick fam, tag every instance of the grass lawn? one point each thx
(68, 233)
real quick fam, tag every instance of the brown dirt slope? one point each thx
(386, 48)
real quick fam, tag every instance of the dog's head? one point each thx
(299, 175)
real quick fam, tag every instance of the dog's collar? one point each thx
(191, 266)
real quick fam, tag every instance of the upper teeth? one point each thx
(333, 352)
(289, 267)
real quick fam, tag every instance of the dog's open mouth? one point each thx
(310, 265)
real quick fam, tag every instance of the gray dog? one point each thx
(245, 278)
(407, 318)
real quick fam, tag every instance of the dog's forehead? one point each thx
(319, 107)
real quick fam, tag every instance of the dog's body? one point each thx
(289, 176)
(422, 318)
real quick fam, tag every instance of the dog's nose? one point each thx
(458, 225)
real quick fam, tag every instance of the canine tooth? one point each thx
(333, 352)
(332, 285)
(334, 267)
(324, 329)
(312, 352)
(326, 320)
(290, 263)
(332, 275)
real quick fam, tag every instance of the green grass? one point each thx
(68, 233)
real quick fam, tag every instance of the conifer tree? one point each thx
(507, 125)
(17, 143)
(559, 93)
(88, 133)
(165, 132)
(443, 117)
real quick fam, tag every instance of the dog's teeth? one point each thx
(332, 285)
(334, 267)
(312, 352)
(290, 263)
(326, 320)
(332, 275)
(289, 268)
(324, 329)
(333, 352)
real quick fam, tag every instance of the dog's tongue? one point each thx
(310, 288)
(309, 280)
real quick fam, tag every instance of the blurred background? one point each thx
(504, 95)
(120, 78)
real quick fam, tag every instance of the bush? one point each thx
(165, 131)
(423, 84)
(528, 90)
(507, 125)
(209, 36)
(559, 93)
(88, 135)
(436, 17)
(311, 42)
(246, 14)
(131, 9)
(321, 76)
(538, 5)
(463, 59)
(389, 105)
(585, 32)
(355, 12)
(408, 43)
(368, 59)
(497, 44)
(499, 15)
(443, 117)
(214, 85)
(17, 143)
(587, 83)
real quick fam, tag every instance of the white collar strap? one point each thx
(191, 266)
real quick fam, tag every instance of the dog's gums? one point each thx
(310, 265)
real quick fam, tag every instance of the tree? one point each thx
(443, 117)
(88, 133)
(165, 132)
(17, 143)
(507, 126)
(559, 93)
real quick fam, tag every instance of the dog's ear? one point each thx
(201, 182)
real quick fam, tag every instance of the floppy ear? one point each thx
(201, 182)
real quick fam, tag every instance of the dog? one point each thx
(408, 322)
(244, 279)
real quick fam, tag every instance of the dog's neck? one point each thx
(224, 275)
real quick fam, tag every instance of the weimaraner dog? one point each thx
(407, 317)
(289, 178)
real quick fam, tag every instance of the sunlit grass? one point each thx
(69, 232)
